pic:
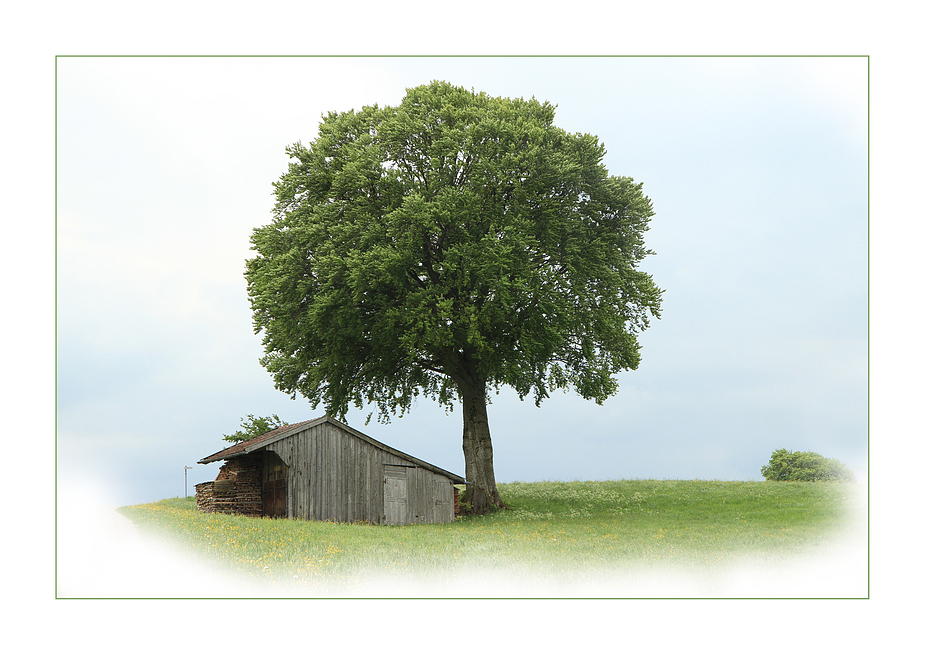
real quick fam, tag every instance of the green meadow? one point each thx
(555, 529)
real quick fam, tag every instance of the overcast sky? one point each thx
(756, 167)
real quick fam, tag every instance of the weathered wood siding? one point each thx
(334, 476)
(428, 496)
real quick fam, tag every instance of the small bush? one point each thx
(787, 466)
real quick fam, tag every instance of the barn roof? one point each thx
(262, 441)
(244, 447)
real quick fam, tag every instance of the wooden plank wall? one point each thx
(334, 476)
(430, 497)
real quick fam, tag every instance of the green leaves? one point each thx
(788, 466)
(254, 426)
(455, 236)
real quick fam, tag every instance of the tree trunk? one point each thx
(481, 490)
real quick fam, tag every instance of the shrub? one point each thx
(787, 466)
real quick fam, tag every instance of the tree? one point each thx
(787, 466)
(255, 426)
(444, 247)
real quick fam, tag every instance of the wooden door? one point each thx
(275, 489)
(396, 495)
(444, 506)
(274, 498)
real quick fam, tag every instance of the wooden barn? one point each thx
(324, 470)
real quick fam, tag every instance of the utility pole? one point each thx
(185, 492)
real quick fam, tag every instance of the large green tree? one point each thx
(444, 247)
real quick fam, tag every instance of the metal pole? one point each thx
(185, 492)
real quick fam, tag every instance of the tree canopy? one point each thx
(452, 244)
(254, 426)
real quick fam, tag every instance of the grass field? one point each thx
(556, 533)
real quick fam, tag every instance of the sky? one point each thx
(757, 169)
